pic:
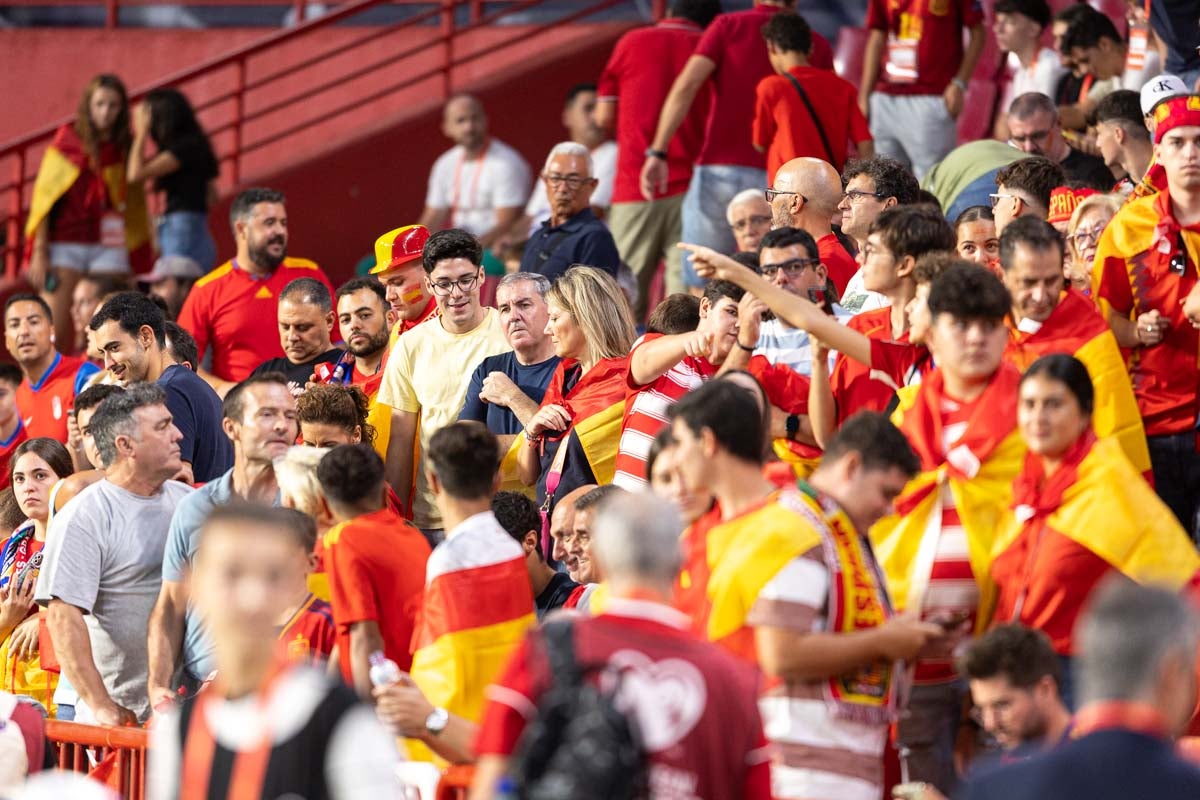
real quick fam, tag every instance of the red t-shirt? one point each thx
(901, 362)
(6, 452)
(783, 126)
(696, 706)
(235, 314)
(937, 26)
(376, 568)
(840, 265)
(857, 387)
(639, 75)
(734, 43)
(44, 406)
(310, 634)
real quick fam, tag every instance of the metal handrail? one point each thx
(443, 39)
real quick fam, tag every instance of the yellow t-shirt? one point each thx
(428, 373)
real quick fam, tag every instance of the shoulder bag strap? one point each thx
(813, 112)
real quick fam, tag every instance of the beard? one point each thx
(370, 347)
(263, 257)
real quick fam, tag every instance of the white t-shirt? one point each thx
(472, 189)
(1135, 79)
(604, 170)
(1040, 76)
(858, 298)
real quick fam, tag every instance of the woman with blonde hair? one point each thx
(572, 439)
(1088, 221)
(296, 474)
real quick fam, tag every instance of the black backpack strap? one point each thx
(813, 113)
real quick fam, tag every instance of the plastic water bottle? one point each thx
(384, 671)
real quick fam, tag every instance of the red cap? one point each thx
(1063, 201)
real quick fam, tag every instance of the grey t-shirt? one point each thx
(104, 554)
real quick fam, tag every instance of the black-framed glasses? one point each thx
(572, 182)
(771, 194)
(792, 268)
(857, 195)
(445, 288)
(753, 221)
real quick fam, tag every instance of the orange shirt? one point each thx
(44, 405)
(376, 569)
(235, 313)
(857, 387)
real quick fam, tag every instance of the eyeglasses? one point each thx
(771, 194)
(573, 182)
(755, 221)
(446, 288)
(1086, 236)
(995, 198)
(792, 268)
(1030, 138)
(1000, 708)
(856, 196)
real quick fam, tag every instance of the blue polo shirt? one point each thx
(532, 379)
(582, 239)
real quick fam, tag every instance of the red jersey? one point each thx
(840, 265)
(786, 130)
(638, 76)
(903, 363)
(310, 634)
(925, 42)
(6, 452)
(376, 569)
(857, 387)
(734, 43)
(234, 313)
(704, 733)
(44, 404)
(404, 325)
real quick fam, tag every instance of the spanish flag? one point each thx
(62, 164)
(979, 471)
(1094, 502)
(476, 609)
(1076, 328)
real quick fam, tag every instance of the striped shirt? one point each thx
(817, 753)
(646, 413)
(783, 344)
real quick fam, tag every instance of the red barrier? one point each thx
(113, 756)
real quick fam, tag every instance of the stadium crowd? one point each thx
(772, 446)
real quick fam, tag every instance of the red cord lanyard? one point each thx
(1106, 715)
(1085, 86)
(454, 204)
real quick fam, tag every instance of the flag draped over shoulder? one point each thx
(596, 405)
(1076, 328)
(63, 162)
(477, 607)
(978, 470)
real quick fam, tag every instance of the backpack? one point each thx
(580, 745)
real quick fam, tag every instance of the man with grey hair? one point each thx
(231, 310)
(749, 217)
(573, 234)
(705, 733)
(1136, 678)
(103, 559)
(1034, 128)
(305, 319)
(506, 389)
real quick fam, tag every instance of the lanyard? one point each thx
(454, 203)
(1085, 86)
(249, 766)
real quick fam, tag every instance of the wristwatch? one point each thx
(959, 82)
(659, 154)
(793, 426)
(435, 723)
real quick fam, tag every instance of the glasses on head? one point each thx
(445, 288)
(792, 268)
(1086, 236)
(995, 198)
(857, 196)
(755, 221)
(1030, 138)
(573, 182)
(771, 194)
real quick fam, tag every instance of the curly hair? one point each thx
(344, 406)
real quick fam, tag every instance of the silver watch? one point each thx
(435, 723)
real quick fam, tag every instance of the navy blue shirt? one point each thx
(197, 414)
(1174, 22)
(532, 380)
(582, 239)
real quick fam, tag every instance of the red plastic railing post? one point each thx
(301, 9)
(659, 9)
(110, 13)
(447, 45)
(12, 251)
(239, 112)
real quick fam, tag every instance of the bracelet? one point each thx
(530, 439)
(659, 154)
(744, 347)
(959, 82)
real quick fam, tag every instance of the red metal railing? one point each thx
(264, 107)
(79, 748)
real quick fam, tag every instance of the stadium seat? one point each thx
(979, 107)
(848, 54)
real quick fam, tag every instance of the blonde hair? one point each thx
(599, 308)
(1096, 201)
(296, 474)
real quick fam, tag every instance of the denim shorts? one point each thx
(704, 220)
(185, 233)
(89, 259)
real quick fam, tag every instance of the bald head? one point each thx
(814, 189)
(562, 521)
(464, 122)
